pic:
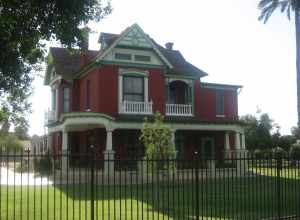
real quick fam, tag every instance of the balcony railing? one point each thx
(179, 110)
(129, 107)
(49, 116)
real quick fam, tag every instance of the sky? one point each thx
(223, 38)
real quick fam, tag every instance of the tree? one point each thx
(258, 131)
(267, 8)
(25, 25)
(157, 139)
(9, 143)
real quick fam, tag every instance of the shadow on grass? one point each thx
(226, 198)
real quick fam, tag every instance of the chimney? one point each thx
(84, 44)
(169, 46)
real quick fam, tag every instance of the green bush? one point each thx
(43, 165)
(278, 152)
(295, 152)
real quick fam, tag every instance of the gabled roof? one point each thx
(65, 61)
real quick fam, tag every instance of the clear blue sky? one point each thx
(224, 38)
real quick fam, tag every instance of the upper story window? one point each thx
(66, 99)
(219, 103)
(133, 88)
(142, 58)
(122, 56)
(53, 99)
(87, 93)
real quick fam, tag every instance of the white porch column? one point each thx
(173, 141)
(227, 145)
(237, 142)
(241, 154)
(64, 151)
(109, 153)
(243, 144)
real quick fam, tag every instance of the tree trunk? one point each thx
(297, 28)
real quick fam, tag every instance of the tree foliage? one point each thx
(157, 139)
(267, 8)
(25, 25)
(9, 143)
(260, 134)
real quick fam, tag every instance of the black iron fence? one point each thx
(69, 186)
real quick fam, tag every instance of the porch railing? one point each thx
(129, 107)
(179, 110)
(49, 116)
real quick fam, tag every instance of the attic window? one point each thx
(122, 56)
(142, 58)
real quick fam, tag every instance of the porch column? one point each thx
(243, 144)
(237, 142)
(64, 151)
(241, 155)
(173, 141)
(109, 153)
(227, 145)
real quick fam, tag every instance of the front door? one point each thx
(208, 151)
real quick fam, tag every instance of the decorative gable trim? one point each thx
(124, 40)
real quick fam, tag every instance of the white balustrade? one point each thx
(49, 116)
(129, 107)
(179, 110)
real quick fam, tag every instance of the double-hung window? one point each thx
(220, 103)
(133, 88)
(66, 99)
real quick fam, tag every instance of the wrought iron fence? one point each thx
(81, 186)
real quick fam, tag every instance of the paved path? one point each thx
(9, 177)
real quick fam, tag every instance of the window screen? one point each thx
(133, 88)
(220, 102)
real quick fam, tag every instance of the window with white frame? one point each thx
(53, 99)
(66, 99)
(133, 88)
(133, 85)
(220, 103)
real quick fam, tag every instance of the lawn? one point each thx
(227, 198)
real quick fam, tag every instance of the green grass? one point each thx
(228, 198)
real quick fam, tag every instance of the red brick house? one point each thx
(106, 95)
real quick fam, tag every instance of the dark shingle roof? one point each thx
(180, 65)
(68, 62)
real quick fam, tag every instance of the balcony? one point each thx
(49, 116)
(130, 107)
(179, 110)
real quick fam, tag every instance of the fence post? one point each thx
(92, 182)
(278, 170)
(197, 185)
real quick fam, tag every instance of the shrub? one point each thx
(295, 152)
(278, 152)
(43, 165)
(258, 154)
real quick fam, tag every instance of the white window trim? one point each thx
(124, 72)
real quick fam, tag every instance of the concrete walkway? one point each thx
(11, 178)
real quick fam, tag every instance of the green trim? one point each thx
(135, 48)
(173, 76)
(134, 73)
(86, 114)
(131, 64)
(86, 68)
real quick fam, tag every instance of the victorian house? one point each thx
(101, 98)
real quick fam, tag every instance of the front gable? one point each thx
(135, 41)
(135, 37)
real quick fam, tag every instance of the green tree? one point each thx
(25, 26)
(267, 8)
(258, 131)
(10, 143)
(157, 139)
